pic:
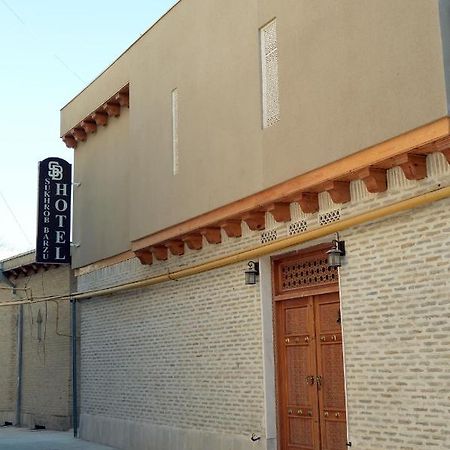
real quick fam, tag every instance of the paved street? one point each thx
(24, 439)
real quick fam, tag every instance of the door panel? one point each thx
(330, 367)
(297, 399)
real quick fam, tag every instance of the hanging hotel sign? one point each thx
(54, 206)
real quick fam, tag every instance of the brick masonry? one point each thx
(180, 364)
(46, 392)
(395, 291)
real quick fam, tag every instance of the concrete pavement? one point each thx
(24, 439)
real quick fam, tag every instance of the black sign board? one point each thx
(54, 206)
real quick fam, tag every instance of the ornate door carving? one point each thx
(310, 372)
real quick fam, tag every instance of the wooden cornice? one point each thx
(27, 269)
(97, 118)
(407, 151)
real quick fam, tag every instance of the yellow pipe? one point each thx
(262, 250)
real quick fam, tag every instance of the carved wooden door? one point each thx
(330, 372)
(298, 406)
(310, 372)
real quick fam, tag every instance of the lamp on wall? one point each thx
(251, 275)
(335, 254)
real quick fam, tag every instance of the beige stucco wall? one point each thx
(101, 202)
(46, 382)
(351, 74)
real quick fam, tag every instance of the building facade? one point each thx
(35, 375)
(255, 131)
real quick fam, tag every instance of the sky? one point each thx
(49, 51)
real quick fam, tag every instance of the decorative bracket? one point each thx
(232, 227)
(414, 166)
(193, 241)
(79, 134)
(112, 109)
(145, 256)
(280, 211)
(160, 252)
(176, 247)
(374, 179)
(88, 126)
(339, 191)
(100, 119)
(212, 235)
(255, 220)
(308, 201)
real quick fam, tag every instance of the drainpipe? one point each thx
(19, 352)
(19, 366)
(74, 369)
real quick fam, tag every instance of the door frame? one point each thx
(267, 288)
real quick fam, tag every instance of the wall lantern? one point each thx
(251, 275)
(335, 254)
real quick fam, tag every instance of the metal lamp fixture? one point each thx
(251, 275)
(335, 254)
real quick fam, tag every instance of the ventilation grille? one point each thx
(307, 273)
(297, 227)
(269, 53)
(268, 236)
(329, 217)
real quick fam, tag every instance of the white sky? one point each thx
(50, 50)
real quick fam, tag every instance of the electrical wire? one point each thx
(36, 38)
(15, 217)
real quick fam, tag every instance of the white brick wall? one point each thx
(395, 290)
(185, 354)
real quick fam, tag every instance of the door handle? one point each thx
(310, 379)
(319, 381)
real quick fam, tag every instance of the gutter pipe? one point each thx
(263, 250)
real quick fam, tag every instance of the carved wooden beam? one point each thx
(112, 109)
(446, 153)
(212, 235)
(339, 191)
(79, 134)
(414, 166)
(160, 252)
(88, 126)
(194, 241)
(280, 211)
(123, 99)
(176, 247)
(232, 227)
(14, 273)
(100, 118)
(308, 201)
(70, 141)
(145, 256)
(374, 179)
(255, 220)
(24, 270)
(35, 268)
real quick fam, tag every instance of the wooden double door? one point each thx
(310, 371)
